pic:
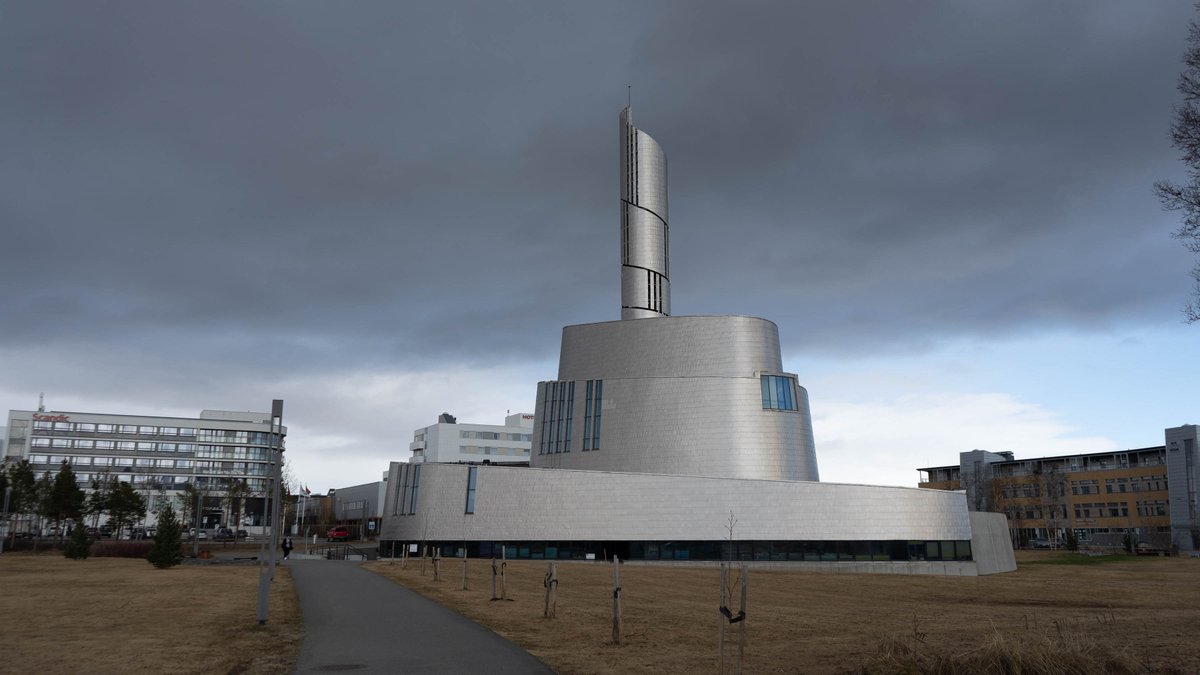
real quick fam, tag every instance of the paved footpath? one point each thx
(356, 621)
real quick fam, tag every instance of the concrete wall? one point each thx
(349, 501)
(990, 544)
(1183, 477)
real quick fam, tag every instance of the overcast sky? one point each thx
(381, 211)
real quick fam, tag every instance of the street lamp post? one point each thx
(7, 496)
(196, 519)
(275, 452)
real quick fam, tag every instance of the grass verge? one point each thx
(1138, 611)
(1071, 558)
(115, 615)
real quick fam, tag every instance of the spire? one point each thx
(645, 233)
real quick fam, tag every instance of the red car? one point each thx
(338, 533)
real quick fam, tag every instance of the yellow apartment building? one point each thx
(1101, 497)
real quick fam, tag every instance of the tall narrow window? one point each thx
(587, 418)
(544, 445)
(402, 490)
(625, 234)
(561, 410)
(570, 415)
(472, 476)
(416, 482)
(596, 414)
(552, 412)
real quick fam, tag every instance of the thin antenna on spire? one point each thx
(629, 95)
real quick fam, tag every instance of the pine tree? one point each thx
(64, 499)
(79, 546)
(125, 506)
(1072, 540)
(24, 485)
(165, 550)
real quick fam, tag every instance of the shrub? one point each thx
(1072, 541)
(79, 546)
(121, 549)
(1031, 654)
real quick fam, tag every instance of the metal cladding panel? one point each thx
(682, 395)
(522, 504)
(628, 313)
(652, 176)
(633, 291)
(631, 294)
(677, 346)
(647, 246)
(695, 426)
(390, 497)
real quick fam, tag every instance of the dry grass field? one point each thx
(121, 615)
(1116, 615)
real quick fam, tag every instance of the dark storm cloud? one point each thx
(923, 170)
(401, 183)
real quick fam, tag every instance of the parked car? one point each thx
(199, 534)
(223, 534)
(1040, 543)
(338, 533)
(242, 534)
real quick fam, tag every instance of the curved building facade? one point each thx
(645, 233)
(659, 428)
(692, 395)
(490, 511)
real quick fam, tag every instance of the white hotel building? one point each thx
(210, 451)
(449, 442)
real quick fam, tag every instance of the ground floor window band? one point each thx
(779, 551)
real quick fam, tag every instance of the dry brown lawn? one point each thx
(1145, 611)
(121, 615)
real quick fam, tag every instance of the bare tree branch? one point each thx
(1185, 136)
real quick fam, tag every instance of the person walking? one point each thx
(287, 547)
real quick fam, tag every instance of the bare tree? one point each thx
(976, 480)
(189, 499)
(1053, 488)
(235, 500)
(1185, 136)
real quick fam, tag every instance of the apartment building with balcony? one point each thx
(1147, 493)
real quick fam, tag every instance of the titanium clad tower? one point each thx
(678, 395)
(645, 233)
